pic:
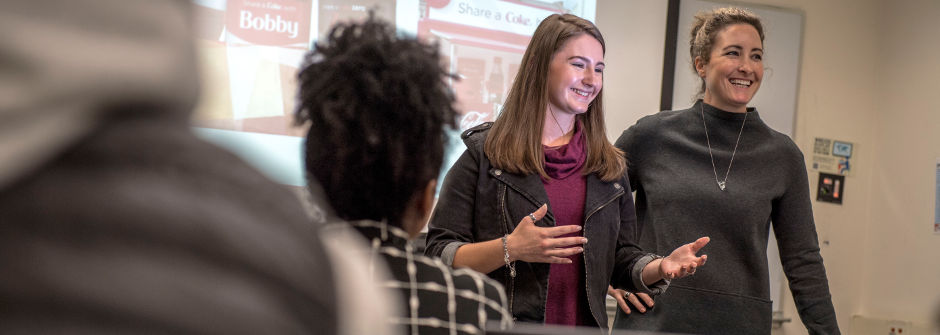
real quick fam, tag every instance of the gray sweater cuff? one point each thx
(637, 275)
(447, 256)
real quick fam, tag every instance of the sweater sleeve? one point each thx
(627, 143)
(795, 229)
(637, 142)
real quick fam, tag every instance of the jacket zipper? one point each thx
(587, 283)
(512, 280)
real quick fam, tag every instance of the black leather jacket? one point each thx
(479, 202)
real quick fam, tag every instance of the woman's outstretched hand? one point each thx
(683, 261)
(535, 244)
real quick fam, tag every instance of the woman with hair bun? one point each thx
(716, 169)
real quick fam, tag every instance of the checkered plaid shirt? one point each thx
(438, 299)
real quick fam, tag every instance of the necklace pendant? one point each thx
(721, 185)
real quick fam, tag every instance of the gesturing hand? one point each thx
(623, 297)
(683, 261)
(535, 244)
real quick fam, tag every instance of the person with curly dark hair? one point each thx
(378, 106)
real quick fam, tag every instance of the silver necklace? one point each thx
(722, 183)
(563, 132)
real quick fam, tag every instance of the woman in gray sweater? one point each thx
(716, 169)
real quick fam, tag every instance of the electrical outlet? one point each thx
(897, 327)
(864, 325)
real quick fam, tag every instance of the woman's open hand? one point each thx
(535, 244)
(683, 261)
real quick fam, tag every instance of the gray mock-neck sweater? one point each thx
(678, 200)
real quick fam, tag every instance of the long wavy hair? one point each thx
(514, 143)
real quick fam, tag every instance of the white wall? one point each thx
(903, 274)
(869, 75)
(634, 32)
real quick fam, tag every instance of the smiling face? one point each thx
(575, 75)
(734, 72)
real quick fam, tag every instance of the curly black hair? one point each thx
(378, 105)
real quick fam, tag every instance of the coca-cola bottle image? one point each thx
(494, 84)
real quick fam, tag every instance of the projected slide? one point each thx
(251, 50)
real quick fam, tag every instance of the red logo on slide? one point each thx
(269, 22)
(438, 3)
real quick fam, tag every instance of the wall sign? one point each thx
(832, 156)
(831, 188)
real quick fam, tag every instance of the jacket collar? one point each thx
(530, 185)
(599, 192)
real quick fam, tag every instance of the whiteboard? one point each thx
(776, 101)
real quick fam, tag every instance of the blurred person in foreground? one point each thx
(114, 217)
(377, 105)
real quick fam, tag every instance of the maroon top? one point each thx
(566, 303)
